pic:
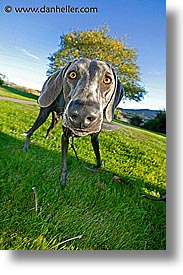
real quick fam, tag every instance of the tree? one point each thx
(98, 44)
(1, 81)
(117, 114)
(135, 120)
(161, 117)
(158, 124)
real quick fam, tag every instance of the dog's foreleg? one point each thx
(43, 114)
(54, 122)
(95, 144)
(64, 149)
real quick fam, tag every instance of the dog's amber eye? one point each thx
(72, 75)
(107, 80)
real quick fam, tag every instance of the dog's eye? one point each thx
(107, 80)
(72, 75)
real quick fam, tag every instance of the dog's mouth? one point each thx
(81, 130)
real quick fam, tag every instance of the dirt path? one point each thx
(106, 125)
(18, 100)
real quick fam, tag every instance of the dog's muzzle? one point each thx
(82, 118)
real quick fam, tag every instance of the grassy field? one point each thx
(12, 92)
(96, 211)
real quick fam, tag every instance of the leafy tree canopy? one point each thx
(136, 120)
(98, 44)
(157, 124)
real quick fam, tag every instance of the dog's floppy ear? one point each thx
(114, 100)
(52, 87)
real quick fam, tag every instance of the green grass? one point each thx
(16, 93)
(109, 213)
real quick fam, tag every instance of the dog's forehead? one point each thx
(99, 66)
(91, 66)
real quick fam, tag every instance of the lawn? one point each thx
(96, 211)
(11, 92)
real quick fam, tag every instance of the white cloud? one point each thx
(154, 73)
(30, 54)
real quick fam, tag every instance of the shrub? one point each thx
(1, 81)
(135, 120)
(158, 124)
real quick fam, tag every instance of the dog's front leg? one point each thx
(95, 144)
(64, 149)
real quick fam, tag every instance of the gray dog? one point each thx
(82, 93)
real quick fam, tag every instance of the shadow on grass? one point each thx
(11, 150)
(40, 168)
(20, 92)
(47, 162)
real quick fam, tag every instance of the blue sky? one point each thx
(27, 39)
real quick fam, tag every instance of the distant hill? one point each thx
(144, 113)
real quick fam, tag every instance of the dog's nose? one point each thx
(81, 114)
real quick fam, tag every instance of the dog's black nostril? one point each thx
(74, 117)
(90, 119)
